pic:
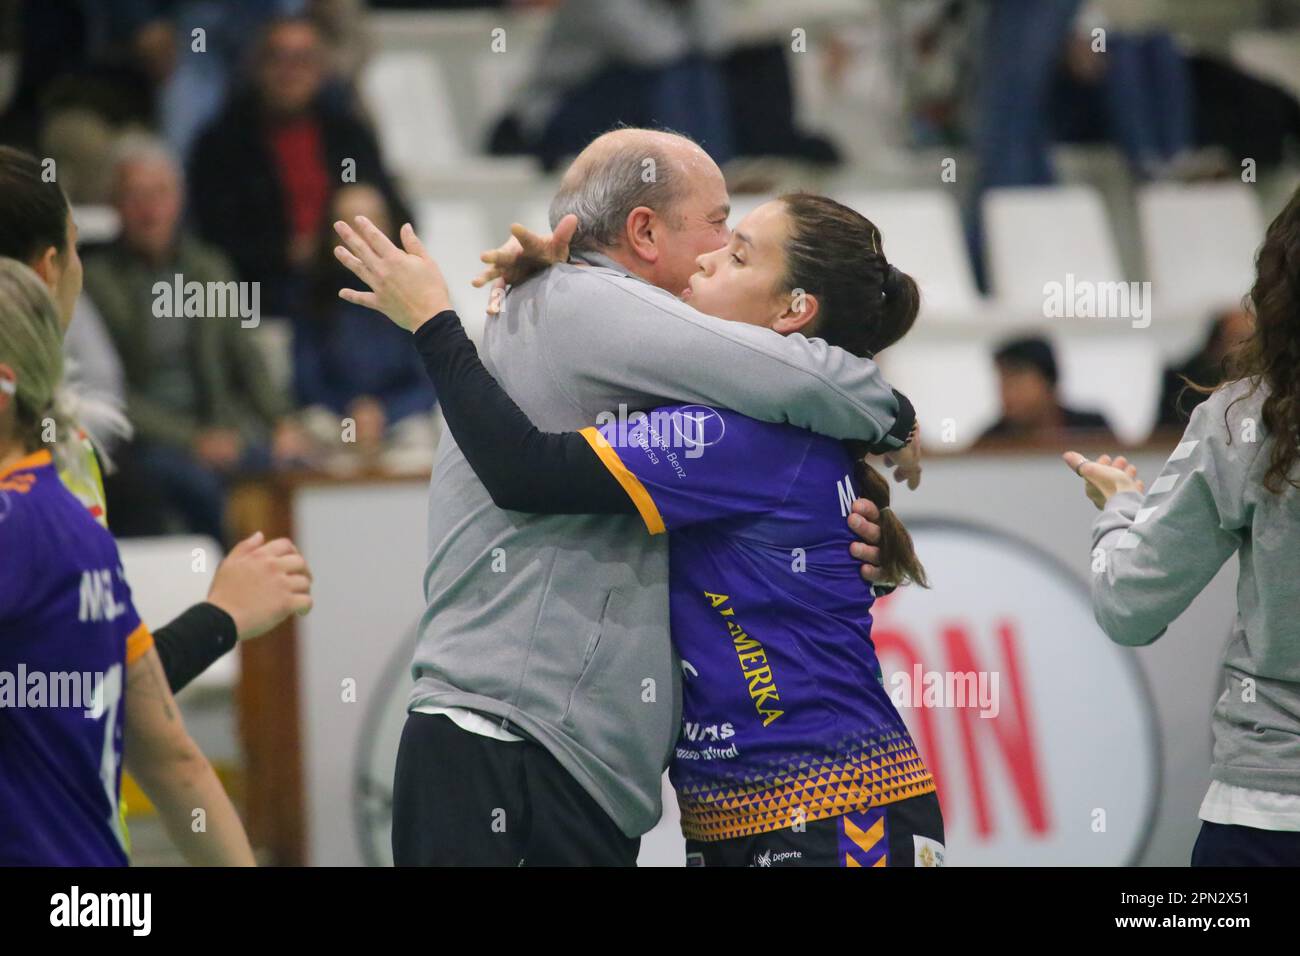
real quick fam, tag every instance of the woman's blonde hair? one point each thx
(31, 343)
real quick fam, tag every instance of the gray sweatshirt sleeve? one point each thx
(622, 336)
(1152, 555)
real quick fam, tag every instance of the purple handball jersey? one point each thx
(67, 632)
(784, 716)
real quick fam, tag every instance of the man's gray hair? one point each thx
(141, 147)
(638, 174)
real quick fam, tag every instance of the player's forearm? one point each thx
(174, 774)
(523, 468)
(197, 812)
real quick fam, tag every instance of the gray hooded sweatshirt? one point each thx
(1160, 550)
(558, 624)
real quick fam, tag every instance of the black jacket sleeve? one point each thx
(190, 644)
(523, 468)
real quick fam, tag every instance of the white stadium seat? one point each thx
(96, 223)
(952, 385)
(1036, 236)
(1118, 374)
(1200, 244)
(535, 214)
(408, 98)
(923, 237)
(1271, 55)
(168, 575)
(455, 232)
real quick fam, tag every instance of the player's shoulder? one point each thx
(37, 511)
(576, 286)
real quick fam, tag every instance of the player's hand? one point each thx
(864, 521)
(260, 583)
(906, 461)
(524, 254)
(1105, 476)
(406, 284)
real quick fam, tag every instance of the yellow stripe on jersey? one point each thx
(645, 505)
(138, 643)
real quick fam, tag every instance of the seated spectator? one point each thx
(1031, 409)
(262, 173)
(636, 62)
(1227, 331)
(347, 365)
(197, 392)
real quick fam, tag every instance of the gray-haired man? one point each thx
(547, 695)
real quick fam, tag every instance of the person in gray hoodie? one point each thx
(1229, 487)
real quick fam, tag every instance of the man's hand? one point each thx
(906, 461)
(407, 285)
(290, 443)
(864, 521)
(218, 448)
(524, 254)
(261, 583)
(1104, 477)
(368, 412)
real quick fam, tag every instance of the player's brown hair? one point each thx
(864, 305)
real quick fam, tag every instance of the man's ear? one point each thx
(643, 234)
(47, 266)
(800, 312)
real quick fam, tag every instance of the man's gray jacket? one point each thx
(558, 624)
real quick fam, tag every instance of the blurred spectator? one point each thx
(196, 88)
(1020, 48)
(1228, 330)
(637, 62)
(263, 172)
(1145, 89)
(1031, 409)
(347, 362)
(197, 392)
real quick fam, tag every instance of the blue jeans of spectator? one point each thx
(1149, 98)
(688, 96)
(1020, 52)
(195, 492)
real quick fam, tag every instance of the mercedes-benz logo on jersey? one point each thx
(697, 427)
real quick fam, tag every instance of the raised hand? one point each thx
(406, 284)
(524, 254)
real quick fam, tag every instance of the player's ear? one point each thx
(798, 313)
(47, 266)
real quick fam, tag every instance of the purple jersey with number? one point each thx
(784, 716)
(67, 631)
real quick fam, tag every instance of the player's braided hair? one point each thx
(864, 305)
